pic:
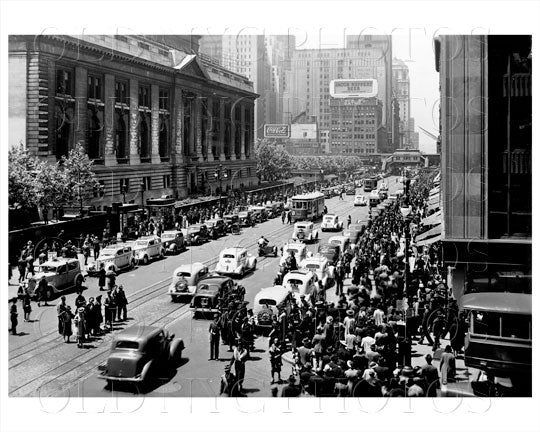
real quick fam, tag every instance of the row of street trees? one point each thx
(274, 163)
(34, 183)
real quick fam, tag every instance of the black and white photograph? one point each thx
(229, 215)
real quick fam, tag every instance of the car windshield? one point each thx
(183, 274)
(268, 302)
(292, 250)
(328, 218)
(48, 269)
(141, 243)
(127, 345)
(313, 266)
(107, 252)
(347, 233)
(168, 236)
(335, 242)
(295, 281)
(301, 226)
(193, 230)
(228, 256)
(327, 248)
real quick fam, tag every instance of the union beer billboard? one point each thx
(353, 88)
(277, 131)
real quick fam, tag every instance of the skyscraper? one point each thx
(401, 93)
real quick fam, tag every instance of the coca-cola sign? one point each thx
(277, 131)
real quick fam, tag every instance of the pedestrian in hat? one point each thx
(66, 318)
(27, 305)
(214, 331)
(13, 314)
(291, 389)
(431, 376)
(60, 309)
(110, 309)
(99, 316)
(101, 277)
(80, 325)
(240, 355)
(80, 301)
(275, 360)
(228, 386)
(121, 303)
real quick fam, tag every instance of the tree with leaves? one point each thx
(22, 184)
(273, 163)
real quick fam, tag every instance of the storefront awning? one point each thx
(429, 240)
(434, 206)
(432, 232)
(433, 219)
(434, 199)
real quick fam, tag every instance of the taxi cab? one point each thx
(319, 265)
(185, 279)
(235, 261)
(301, 282)
(147, 248)
(299, 249)
(114, 257)
(267, 304)
(305, 232)
(173, 241)
(331, 222)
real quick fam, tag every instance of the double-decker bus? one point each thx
(307, 206)
(370, 184)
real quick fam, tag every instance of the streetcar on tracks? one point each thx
(370, 184)
(308, 206)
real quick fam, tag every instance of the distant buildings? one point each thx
(152, 115)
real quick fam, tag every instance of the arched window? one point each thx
(163, 137)
(144, 138)
(121, 137)
(64, 135)
(93, 133)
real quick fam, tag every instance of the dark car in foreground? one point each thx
(141, 353)
(210, 291)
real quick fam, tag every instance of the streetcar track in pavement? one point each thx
(155, 287)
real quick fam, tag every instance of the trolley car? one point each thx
(307, 206)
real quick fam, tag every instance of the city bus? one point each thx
(370, 184)
(307, 206)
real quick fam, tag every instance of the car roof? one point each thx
(272, 292)
(337, 238)
(295, 245)
(138, 333)
(220, 279)
(302, 274)
(191, 267)
(171, 232)
(59, 261)
(315, 259)
(330, 214)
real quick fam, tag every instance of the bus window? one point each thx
(516, 326)
(487, 323)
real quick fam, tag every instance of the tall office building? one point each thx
(401, 92)
(260, 58)
(307, 86)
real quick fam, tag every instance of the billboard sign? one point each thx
(277, 131)
(353, 88)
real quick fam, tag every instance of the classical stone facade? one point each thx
(147, 113)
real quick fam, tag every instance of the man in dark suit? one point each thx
(214, 331)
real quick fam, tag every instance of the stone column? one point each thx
(134, 156)
(198, 126)
(81, 94)
(242, 132)
(209, 127)
(154, 106)
(233, 131)
(221, 142)
(179, 180)
(109, 153)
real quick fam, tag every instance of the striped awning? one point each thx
(433, 219)
(432, 232)
(429, 241)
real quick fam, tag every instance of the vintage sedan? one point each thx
(195, 234)
(267, 304)
(299, 250)
(301, 282)
(258, 213)
(231, 220)
(331, 222)
(305, 232)
(140, 354)
(173, 241)
(210, 292)
(216, 228)
(61, 275)
(319, 265)
(235, 261)
(185, 279)
(331, 252)
(114, 257)
(148, 248)
(360, 200)
(343, 242)
(245, 217)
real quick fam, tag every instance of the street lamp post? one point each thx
(220, 175)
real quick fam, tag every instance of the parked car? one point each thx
(360, 200)
(299, 249)
(383, 194)
(350, 190)
(374, 198)
(173, 241)
(216, 228)
(267, 303)
(210, 291)
(301, 282)
(235, 261)
(230, 220)
(148, 248)
(320, 266)
(305, 232)
(61, 275)
(273, 209)
(195, 234)
(341, 241)
(139, 354)
(185, 279)
(331, 222)
(258, 213)
(114, 257)
(331, 252)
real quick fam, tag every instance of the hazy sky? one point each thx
(415, 48)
